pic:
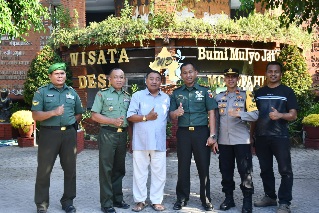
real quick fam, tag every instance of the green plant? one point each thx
(297, 77)
(22, 119)
(37, 75)
(16, 106)
(295, 70)
(163, 25)
(311, 120)
(134, 88)
(18, 17)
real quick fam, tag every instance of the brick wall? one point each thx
(16, 57)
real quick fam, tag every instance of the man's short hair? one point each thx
(188, 63)
(274, 63)
(153, 71)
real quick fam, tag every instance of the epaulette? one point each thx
(104, 89)
(71, 88)
(42, 87)
(127, 93)
(177, 88)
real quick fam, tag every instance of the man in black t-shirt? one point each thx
(277, 104)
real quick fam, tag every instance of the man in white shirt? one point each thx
(148, 111)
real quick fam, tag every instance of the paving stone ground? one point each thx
(18, 170)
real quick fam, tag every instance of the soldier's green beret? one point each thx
(56, 66)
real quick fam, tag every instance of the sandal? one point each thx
(139, 206)
(158, 207)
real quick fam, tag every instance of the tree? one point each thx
(38, 72)
(18, 16)
(297, 11)
(297, 77)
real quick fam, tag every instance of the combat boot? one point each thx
(228, 202)
(266, 201)
(247, 203)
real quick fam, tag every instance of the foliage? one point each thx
(134, 88)
(22, 119)
(311, 120)
(18, 17)
(296, 76)
(163, 25)
(306, 103)
(295, 70)
(294, 11)
(37, 75)
(61, 18)
(16, 106)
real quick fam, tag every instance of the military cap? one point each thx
(231, 71)
(56, 66)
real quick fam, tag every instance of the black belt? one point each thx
(62, 128)
(192, 128)
(114, 129)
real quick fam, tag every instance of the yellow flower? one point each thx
(311, 120)
(22, 119)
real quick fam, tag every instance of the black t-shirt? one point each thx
(283, 99)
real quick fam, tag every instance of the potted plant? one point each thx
(23, 121)
(311, 126)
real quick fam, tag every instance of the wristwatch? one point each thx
(144, 118)
(213, 136)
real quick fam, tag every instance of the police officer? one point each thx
(192, 104)
(235, 109)
(58, 107)
(109, 109)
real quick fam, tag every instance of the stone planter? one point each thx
(25, 142)
(79, 141)
(311, 132)
(312, 143)
(6, 131)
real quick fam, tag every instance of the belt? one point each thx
(62, 128)
(192, 128)
(114, 129)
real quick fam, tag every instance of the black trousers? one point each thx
(51, 144)
(266, 148)
(242, 154)
(188, 143)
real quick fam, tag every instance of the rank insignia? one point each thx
(35, 103)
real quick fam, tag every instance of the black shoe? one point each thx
(108, 209)
(208, 206)
(41, 210)
(179, 205)
(69, 209)
(121, 205)
(227, 204)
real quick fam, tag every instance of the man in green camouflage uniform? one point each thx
(109, 109)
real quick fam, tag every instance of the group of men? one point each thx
(227, 123)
